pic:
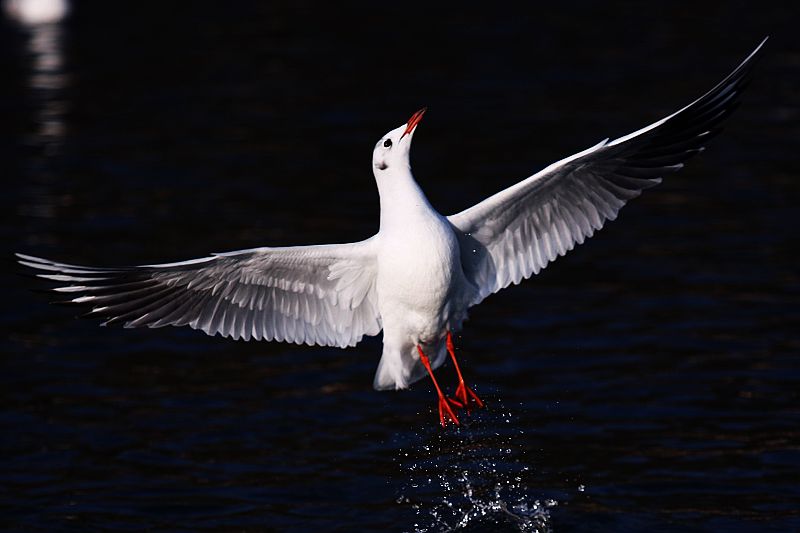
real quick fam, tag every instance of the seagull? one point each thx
(418, 276)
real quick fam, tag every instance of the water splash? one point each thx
(471, 479)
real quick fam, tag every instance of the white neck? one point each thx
(401, 197)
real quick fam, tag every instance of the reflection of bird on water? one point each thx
(417, 277)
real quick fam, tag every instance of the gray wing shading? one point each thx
(518, 231)
(322, 295)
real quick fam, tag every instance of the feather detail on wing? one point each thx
(518, 231)
(322, 295)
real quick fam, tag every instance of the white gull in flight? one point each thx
(417, 277)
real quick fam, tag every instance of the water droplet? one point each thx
(471, 478)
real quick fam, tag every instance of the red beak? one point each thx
(413, 121)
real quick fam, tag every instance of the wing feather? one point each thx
(520, 230)
(309, 294)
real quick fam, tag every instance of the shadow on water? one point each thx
(472, 478)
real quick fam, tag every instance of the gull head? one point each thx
(391, 152)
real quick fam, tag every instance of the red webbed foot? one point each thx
(467, 397)
(446, 413)
(464, 397)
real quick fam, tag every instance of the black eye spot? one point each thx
(387, 143)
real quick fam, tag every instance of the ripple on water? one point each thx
(471, 478)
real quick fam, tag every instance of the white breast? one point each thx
(418, 270)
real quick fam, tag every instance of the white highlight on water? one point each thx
(471, 477)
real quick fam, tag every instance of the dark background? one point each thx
(648, 381)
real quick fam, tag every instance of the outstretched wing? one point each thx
(321, 295)
(518, 231)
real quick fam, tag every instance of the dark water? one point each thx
(649, 381)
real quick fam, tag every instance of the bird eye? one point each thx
(387, 143)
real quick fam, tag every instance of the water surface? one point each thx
(646, 382)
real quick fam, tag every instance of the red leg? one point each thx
(445, 411)
(463, 393)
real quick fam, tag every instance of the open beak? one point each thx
(413, 121)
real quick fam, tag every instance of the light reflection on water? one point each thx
(46, 78)
(472, 478)
(47, 81)
(35, 13)
(46, 84)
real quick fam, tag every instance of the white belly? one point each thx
(419, 286)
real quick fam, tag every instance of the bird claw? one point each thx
(446, 412)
